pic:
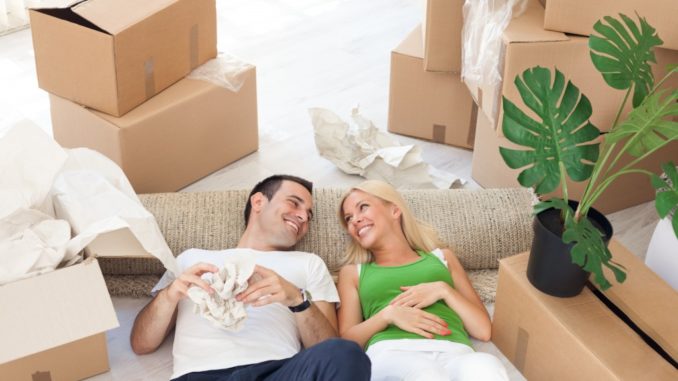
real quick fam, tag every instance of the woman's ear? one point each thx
(395, 211)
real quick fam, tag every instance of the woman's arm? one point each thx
(352, 326)
(465, 301)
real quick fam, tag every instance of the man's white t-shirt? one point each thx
(269, 333)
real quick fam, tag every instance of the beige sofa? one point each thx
(481, 226)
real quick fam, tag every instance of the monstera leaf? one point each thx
(623, 52)
(558, 137)
(648, 125)
(589, 250)
(667, 194)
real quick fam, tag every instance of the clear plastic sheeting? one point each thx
(484, 23)
(225, 71)
(364, 150)
(221, 307)
(47, 192)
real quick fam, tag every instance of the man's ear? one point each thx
(258, 201)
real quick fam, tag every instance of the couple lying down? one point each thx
(404, 299)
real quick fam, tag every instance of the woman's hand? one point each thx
(421, 295)
(415, 320)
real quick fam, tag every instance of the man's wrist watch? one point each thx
(306, 302)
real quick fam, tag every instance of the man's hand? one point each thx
(421, 295)
(266, 287)
(415, 320)
(191, 277)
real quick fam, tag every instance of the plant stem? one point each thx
(582, 208)
(608, 181)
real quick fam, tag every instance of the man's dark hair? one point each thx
(270, 185)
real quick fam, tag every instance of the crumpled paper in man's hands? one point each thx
(221, 307)
(364, 150)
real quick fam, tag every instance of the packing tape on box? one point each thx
(149, 77)
(521, 349)
(471, 137)
(194, 46)
(225, 71)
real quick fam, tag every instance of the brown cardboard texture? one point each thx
(578, 338)
(489, 170)
(429, 105)
(579, 16)
(441, 31)
(112, 55)
(188, 131)
(526, 44)
(53, 325)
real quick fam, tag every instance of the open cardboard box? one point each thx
(429, 105)
(580, 338)
(186, 132)
(578, 16)
(53, 326)
(525, 44)
(113, 55)
(441, 33)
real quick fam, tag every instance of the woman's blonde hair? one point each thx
(419, 235)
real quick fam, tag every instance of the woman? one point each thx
(409, 302)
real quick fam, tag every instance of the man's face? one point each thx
(284, 219)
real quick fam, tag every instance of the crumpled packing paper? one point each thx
(366, 151)
(221, 307)
(225, 71)
(47, 191)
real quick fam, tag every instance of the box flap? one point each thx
(53, 309)
(114, 16)
(529, 27)
(412, 45)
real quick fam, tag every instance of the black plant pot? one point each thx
(550, 268)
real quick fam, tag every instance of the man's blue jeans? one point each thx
(333, 359)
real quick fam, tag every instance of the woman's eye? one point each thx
(347, 219)
(363, 207)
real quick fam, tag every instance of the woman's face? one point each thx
(369, 219)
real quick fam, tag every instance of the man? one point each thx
(280, 317)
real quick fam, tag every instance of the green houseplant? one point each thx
(564, 143)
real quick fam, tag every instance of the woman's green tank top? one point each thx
(378, 285)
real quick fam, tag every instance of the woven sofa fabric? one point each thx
(481, 226)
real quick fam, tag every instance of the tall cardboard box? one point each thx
(429, 105)
(53, 326)
(112, 55)
(441, 31)
(578, 16)
(188, 131)
(579, 338)
(526, 44)
(489, 170)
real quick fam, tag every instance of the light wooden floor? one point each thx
(308, 53)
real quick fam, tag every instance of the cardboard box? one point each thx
(579, 16)
(441, 31)
(489, 170)
(429, 105)
(188, 131)
(53, 325)
(526, 44)
(113, 55)
(579, 338)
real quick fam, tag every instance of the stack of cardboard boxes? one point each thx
(427, 97)
(525, 43)
(115, 72)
